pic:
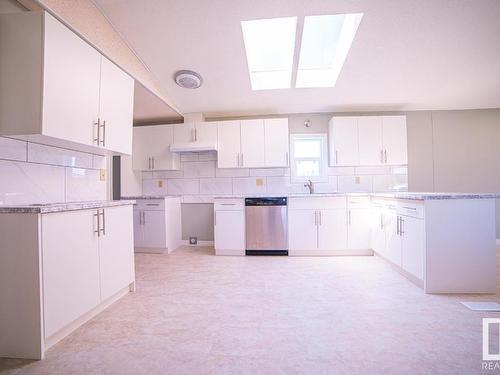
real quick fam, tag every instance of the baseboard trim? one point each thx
(200, 243)
(322, 253)
(230, 252)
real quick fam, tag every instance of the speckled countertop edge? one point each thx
(151, 197)
(61, 207)
(402, 195)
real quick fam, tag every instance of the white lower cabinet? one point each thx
(392, 239)
(229, 227)
(70, 258)
(157, 225)
(302, 229)
(359, 228)
(65, 267)
(332, 229)
(413, 245)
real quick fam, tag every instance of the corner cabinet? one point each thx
(151, 148)
(368, 140)
(66, 267)
(58, 89)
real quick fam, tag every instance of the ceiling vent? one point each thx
(188, 79)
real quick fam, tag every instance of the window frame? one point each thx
(323, 159)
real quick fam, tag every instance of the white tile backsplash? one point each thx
(152, 186)
(199, 169)
(189, 156)
(166, 174)
(84, 185)
(232, 172)
(12, 149)
(27, 183)
(210, 186)
(249, 185)
(207, 155)
(350, 184)
(341, 171)
(183, 186)
(268, 171)
(278, 185)
(375, 170)
(58, 156)
(45, 174)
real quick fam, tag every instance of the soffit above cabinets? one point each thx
(406, 55)
(149, 109)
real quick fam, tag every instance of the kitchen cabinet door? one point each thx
(71, 82)
(229, 233)
(378, 232)
(206, 132)
(138, 229)
(141, 155)
(370, 140)
(359, 228)
(276, 142)
(116, 108)
(228, 153)
(252, 143)
(394, 139)
(344, 149)
(392, 239)
(184, 133)
(332, 230)
(413, 247)
(116, 250)
(154, 228)
(70, 258)
(302, 229)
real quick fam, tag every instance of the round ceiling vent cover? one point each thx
(188, 79)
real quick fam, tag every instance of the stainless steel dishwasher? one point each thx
(266, 221)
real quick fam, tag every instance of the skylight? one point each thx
(269, 44)
(325, 43)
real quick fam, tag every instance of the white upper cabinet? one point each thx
(394, 140)
(252, 143)
(57, 86)
(276, 142)
(151, 148)
(228, 153)
(344, 141)
(368, 140)
(184, 133)
(188, 132)
(116, 108)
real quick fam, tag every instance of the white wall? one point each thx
(34, 173)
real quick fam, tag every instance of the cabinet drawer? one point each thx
(316, 203)
(410, 208)
(229, 204)
(358, 201)
(150, 204)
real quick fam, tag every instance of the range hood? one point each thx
(193, 147)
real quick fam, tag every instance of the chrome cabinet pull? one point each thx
(98, 124)
(153, 159)
(320, 218)
(103, 141)
(238, 156)
(149, 162)
(316, 218)
(103, 230)
(381, 156)
(98, 231)
(385, 153)
(144, 217)
(349, 217)
(215, 217)
(287, 159)
(152, 204)
(401, 231)
(242, 162)
(336, 157)
(410, 208)
(195, 135)
(140, 217)
(397, 225)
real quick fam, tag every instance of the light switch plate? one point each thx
(259, 182)
(102, 174)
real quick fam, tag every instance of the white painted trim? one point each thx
(314, 253)
(200, 243)
(230, 252)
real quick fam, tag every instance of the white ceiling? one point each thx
(408, 54)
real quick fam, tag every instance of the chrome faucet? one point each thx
(310, 185)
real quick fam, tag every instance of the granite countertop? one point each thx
(395, 195)
(134, 197)
(60, 207)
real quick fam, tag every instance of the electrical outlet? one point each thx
(259, 182)
(193, 240)
(102, 174)
(358, 180)
(160, 183)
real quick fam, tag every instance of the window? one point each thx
(309, 157)
(269, 45)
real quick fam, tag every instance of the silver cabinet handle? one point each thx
(195, 134)
(287, 159)
(316, 218)
(98, 125)
(153, 162)
(242, 162)
(103, 141)
(349, 217)
(385, 153)
(401, 227)
(381, 156)
(192, 135)
(215, 217)
(398, 231)
(103, 230)
(144, 217)
(149, 162)
(140, 217)
(152, 204)
(410, 208)
(320, 218)
(98, 231)
(336, 157)
(238, 156)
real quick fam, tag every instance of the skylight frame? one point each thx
(260, 42)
